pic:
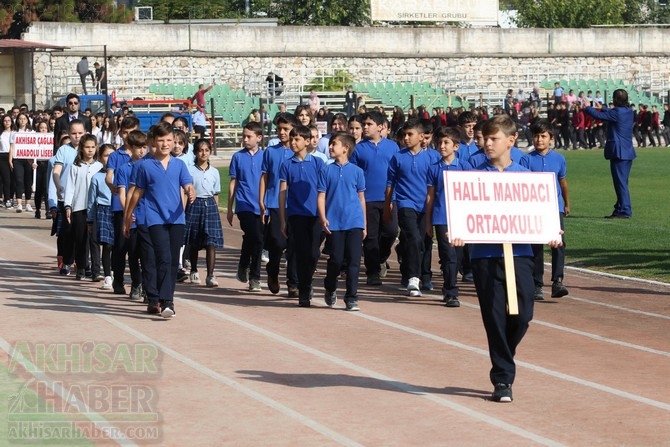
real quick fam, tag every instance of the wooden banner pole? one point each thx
(510, 280)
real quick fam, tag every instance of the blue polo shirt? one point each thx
(116, 160)
(65, 157)
(301, 178)
(122, 179)
(465, 150)
(496, 250)
(245, 168)
(140, 215)
(162, 190)
(207, 182)
(550, 162)
(407, 176)
(374, 160)
(435, 179)
(479, 157)
(273, 158)
(341, 184)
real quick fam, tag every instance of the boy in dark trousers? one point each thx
(504, 332)
(341, 190)
(298, 177)
(544, 159)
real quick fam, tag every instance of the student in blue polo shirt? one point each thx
(341, 189)
(447, 140)
(372, 155)
(245, 176)
(543, 159)
(466, 123)
(147, 255)
(504, 332)
(136, 143)
(119, 158)
(298, 178)
(275, 241)
(160, 181)
(407, 180)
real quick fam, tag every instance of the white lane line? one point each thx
(286, 411)
(532, 367)
(587, 334)
(373, 374)
(112, 432)
(620, 308)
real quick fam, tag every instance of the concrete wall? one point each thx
(139, 38)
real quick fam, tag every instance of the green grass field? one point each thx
(638, 247)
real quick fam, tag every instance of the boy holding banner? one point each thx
(504, 331)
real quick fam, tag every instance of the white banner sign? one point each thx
(473, 11)
(502, 207)
(34, 145)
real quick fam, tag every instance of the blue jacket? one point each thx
(619, 145)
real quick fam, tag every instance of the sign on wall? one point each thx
(472, 11)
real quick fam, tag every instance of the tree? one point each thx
(17, 15)
(567, 13)
(585, 13)
(321, 12)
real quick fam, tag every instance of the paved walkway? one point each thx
(240, 369)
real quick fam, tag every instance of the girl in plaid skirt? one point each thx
(203, 223)
(99, 219)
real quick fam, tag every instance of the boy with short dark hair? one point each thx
(447, 141)
(160, 181)
(341, 185)
(116, 160)
(544, 159)
(298, 178)
(504, 332)
(245, 176)
(407, 180)
(467, 122)
(372, 155)
(273, 158)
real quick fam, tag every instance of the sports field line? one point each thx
(373, 374)
(71, 400)
(528, 365)
(286, 411)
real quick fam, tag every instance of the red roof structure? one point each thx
(18, 44)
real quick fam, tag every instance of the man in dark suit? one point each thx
(71, 112)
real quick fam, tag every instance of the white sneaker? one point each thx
(19, 209)
(265, 257)
(107, 284)
(211, 281)
(413, 287)
(194, 277)
(29, 208)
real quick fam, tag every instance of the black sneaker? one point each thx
(451, 301)
(374, 280)
(88, 273)
(304, 302)
(80, 275)
(538, 295)
(242, 274)
(352, 306)
(502, 392)
(182, 275)
(427, 285)
(167, 309)
(293, 292)
(558, 289)
(467, 277)
(273, 284)
(38, 214)
(153, 308)
(330, 298)
(119, 289)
